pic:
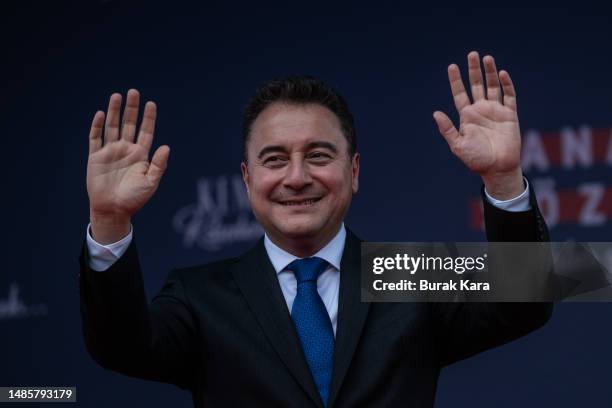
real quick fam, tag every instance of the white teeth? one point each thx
(305, 202)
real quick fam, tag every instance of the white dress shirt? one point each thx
(101, 257)
(328, 283)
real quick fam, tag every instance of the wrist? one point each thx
(504, 186)
(109, 228)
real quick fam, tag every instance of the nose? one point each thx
(298, 175)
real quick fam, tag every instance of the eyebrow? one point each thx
(311, 145)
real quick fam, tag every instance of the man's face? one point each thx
(299, 176)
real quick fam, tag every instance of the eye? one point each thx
(274, 161)
(319, 156)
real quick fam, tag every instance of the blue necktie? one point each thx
(312, 322)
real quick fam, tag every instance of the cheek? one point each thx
(338, 182)
(263, 184)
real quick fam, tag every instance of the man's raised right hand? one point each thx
(120, 178)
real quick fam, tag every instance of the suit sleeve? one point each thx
(465, 329)
(124, 333)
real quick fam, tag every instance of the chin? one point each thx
(299, 230)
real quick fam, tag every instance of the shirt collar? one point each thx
(332, 252)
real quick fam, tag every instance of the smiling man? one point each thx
(283, 325)
(300, 172)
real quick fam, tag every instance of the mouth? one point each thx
(306, 202)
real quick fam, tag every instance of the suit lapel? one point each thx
(352, 312)
(258, 282)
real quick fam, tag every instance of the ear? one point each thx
(355, 172)
(245, 177)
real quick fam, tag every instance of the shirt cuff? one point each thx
(102, 257)
(516, 204)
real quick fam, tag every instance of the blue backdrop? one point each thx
(200, 63)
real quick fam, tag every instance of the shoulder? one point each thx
(206, 270)
(219, 269)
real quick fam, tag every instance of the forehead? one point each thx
(295, 125)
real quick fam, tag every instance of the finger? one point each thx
(111, 129)
(95, 133)
(475, 73)
(147, 127)
(508, 87)
(130, 115)
(493, 88)
(446, 128)
(460, 96)
(158, 165)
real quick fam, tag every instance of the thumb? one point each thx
(446, 128)
(158, 165)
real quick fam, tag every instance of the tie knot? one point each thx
(307, 269)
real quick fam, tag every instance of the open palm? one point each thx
(488, 140)
(120, 178)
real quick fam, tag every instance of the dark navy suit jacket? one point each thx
(223, 331)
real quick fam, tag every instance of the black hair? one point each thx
(299, 90)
